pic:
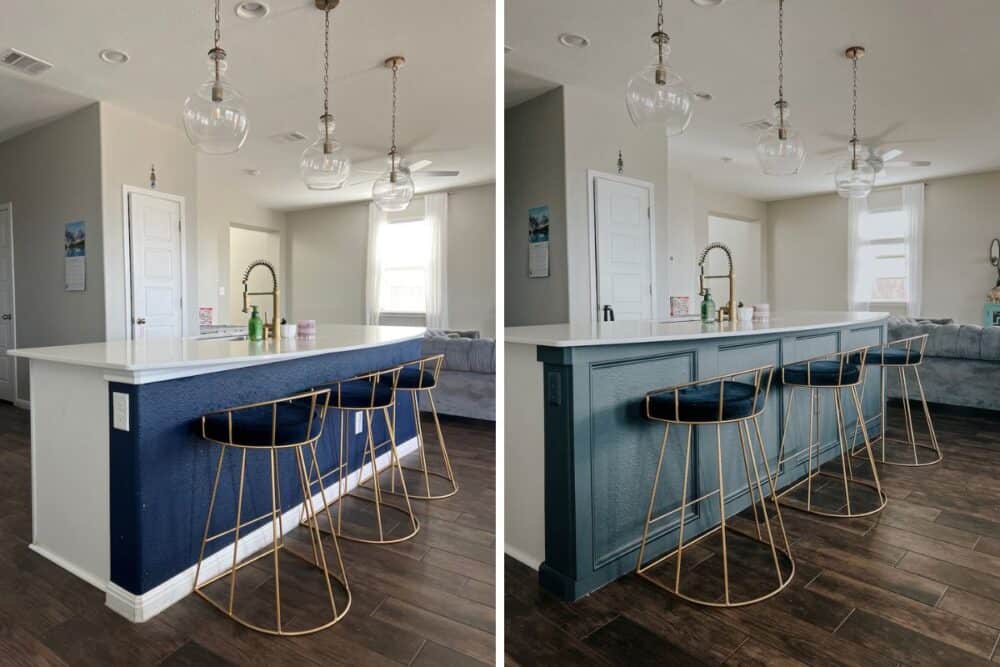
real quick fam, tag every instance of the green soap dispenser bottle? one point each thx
(255, 327)
(707, 308)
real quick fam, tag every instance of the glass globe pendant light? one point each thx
(215, 116)
(656, 95)
(855, 177)
(324, 165)
(780, 149)
(393, 190)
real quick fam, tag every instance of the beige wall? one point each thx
(221, 205)
(329, 249)
(808, 241)
(689, 205)
(52, 175)
(130, 144)
(535, 173)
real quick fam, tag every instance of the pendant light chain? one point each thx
(395, 82)
(854, 115)
(218, 22)
(659, 37)
(326, 64)
(781, 59)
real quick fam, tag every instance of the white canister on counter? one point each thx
(745, 314)
(761, 311)
(289, 330)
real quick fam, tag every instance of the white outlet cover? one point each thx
(120, 411)
(358, 424)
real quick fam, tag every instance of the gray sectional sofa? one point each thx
(961, 365)
(467, 386)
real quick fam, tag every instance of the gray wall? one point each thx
(535, 173)
(52, 175)
(329, 253)
(808, 247)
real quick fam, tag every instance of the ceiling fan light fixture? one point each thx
(215, 116)
(393, 191)
(251, 10)
(656, 95)
(780, 148)
(325, 165)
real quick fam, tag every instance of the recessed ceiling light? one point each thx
(252, 172)
(251, 11)
(726, 159)
(573, 40)
(114, 56)
(707, 3)
(703, 96)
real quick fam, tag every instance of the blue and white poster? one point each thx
(76, 256)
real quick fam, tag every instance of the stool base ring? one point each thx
(904, 464)
(199, 591)
(417, 496)
(364, 540)
(643, 572)
(803, 507)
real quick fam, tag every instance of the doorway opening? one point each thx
(247, 244)
(743, 237)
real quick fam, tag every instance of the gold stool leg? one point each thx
(927, 416)
(236, 536)
(423, 470)
(746, 469)
(208, 519)
(652, 499)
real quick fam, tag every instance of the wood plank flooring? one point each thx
(428, 601)
(918, 584)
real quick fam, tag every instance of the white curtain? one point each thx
(913, 206)
(376, 222)
(858, 284)
(436, 213)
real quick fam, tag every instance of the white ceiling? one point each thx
(929, 77)
(447, 91)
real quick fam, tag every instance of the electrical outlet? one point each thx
(119, 402)
(358, 424)
(222, 290)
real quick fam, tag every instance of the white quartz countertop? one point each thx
(578, 334)
(193, 353)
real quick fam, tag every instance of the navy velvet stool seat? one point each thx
(369, 394)
(903, 354)
(292, 424)
(419, 377)
(834, 373)
(732, 400)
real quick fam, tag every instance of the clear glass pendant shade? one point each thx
(215, 117)
(393, 192)
(656, 95)
(325, 165)
(780, 148)
(855, 178)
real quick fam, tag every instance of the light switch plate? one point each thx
(222, 290)
(119, 402)
(358, 424)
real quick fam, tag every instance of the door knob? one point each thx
(6, 316)
(140, 320)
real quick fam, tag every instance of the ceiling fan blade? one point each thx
(439, 173)
(890, 154)
(420, 164)
(909, 163)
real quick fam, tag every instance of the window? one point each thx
(882, 256)
(404, 250)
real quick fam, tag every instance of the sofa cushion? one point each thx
(477, 355)
(958, 341)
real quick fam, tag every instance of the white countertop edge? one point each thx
(158, 370)
(537, 335)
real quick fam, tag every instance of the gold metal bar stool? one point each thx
(834, 372)
(720, 401)
(416, 377)
(269, 428)
(367, 394)
(902, 354)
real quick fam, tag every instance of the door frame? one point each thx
(127, 253)
(9, 207)
(592, 176)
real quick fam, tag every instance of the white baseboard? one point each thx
(522, 557)
(23, 404)
(89, 577)
(140, 608)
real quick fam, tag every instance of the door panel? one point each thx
(154, 233)
(622, 225)
(6, 305)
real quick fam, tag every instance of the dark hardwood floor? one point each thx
(428, 601)
(918, 584)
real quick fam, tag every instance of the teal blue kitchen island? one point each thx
(580, 457)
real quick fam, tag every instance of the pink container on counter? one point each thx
(307, 328)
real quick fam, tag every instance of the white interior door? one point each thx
(157, 284)
(7, 368)
(622, 225)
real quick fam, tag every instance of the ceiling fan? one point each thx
(881, 158)
(416, 169)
